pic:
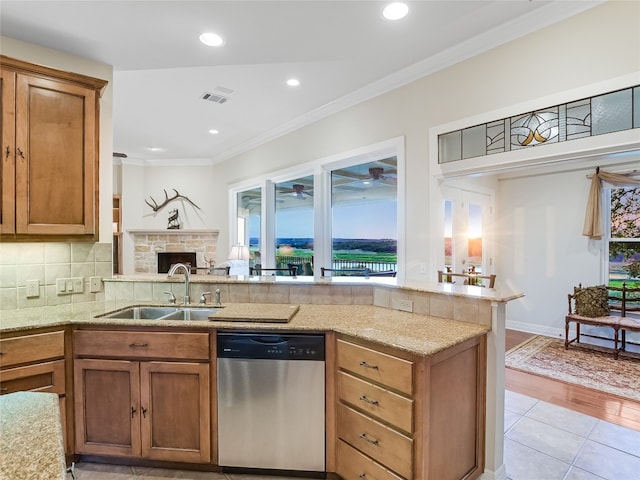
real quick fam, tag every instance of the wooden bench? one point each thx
(621, 299)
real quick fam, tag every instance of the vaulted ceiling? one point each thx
(342, 52)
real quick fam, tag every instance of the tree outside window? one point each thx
(624, 237)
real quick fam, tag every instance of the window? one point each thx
(364, 218)
(606, 113)
(467, 219)
(294, 217)
(624, 236)
(340, 212)
(249, 215)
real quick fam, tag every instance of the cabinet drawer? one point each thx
(164, 345)
(353, 465)
(31, 348)
(385, 369)
(43, 377)
(388, 406)
(390, 448)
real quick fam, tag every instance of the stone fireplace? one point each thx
(147, 244)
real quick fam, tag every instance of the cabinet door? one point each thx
(55, 174)
(8, 134)
(107, 408)
(175, 410)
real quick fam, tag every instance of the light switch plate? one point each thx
(33, 288)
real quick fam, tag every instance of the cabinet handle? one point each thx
(368, 400)
(133, 411)
(2, 353)
(20, 153)
(372, 441)
(138, 345)
(3, 389)
(144, 412)
(7, 152)
(366, 365)
(363, 476)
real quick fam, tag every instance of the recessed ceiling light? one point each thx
(293, 82)
(213, 131)
(395, 11)
(211, 39)
(155, 149)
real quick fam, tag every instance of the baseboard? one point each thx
(499, 474)
(536, 329)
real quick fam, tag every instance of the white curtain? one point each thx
(593, 217)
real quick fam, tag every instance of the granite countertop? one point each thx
(31, 437)
(414, 333)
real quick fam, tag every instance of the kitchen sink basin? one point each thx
(162, 313)
(141, 313)
(191, 314)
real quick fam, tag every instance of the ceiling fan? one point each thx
(377, 176)
(299, 192)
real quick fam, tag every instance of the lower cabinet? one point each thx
(406, 417)
(157, 410)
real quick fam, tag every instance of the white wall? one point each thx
(539, 246)
(141, 182)
(62, 61)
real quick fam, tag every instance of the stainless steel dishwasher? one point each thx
(271, 401)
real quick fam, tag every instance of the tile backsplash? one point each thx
(46, 262)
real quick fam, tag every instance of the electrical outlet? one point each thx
(33, 288)
(402, 304)
(95, 284)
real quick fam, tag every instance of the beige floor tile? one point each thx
(147, 473)
(97, 471)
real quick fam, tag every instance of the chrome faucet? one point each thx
(187, 270)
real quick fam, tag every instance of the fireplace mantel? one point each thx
(172, 232)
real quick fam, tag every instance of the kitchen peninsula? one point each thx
(454, 335)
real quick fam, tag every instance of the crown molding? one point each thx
(547, 15)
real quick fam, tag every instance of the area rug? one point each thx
(593, 369)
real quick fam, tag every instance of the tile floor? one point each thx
(542, 442)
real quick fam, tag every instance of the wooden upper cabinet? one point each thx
(7, 162)
(50, 133)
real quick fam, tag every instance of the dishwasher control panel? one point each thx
(271, 346)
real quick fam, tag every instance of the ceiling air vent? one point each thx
(214, 97)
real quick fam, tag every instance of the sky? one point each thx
(372, 221)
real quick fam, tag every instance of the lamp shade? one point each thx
(239, 252)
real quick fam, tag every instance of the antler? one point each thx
(157, 207)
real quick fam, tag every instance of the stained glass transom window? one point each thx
(610, 112)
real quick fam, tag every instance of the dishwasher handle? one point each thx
(269, 340)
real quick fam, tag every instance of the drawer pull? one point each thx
(2, 353)
(4, 389)
(372, 441)
(368, 400)
(363, 476)
(366, 365)
(138, 345)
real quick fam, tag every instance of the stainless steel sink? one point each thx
(141, 313)
(162, 313)
(191, 314)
